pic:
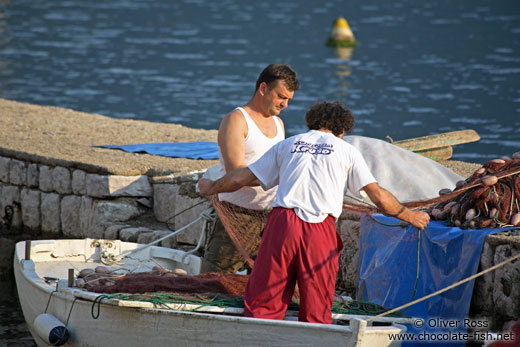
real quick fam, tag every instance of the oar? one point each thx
(439, 140)
(442, 153)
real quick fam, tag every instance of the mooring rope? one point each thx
(113, 259)
(445, 289)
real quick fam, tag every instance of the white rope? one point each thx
(209, 217)
(446, 289)
(122, 255)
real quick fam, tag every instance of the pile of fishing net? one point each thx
(160, 279)
(163, 288)
(488, 199)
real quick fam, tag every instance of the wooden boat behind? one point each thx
(439, 146)
(42, 277)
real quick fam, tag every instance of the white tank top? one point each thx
(256, 144)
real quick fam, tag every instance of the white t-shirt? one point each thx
(256, 144)
(312, 171)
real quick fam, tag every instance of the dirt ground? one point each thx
(58, 136)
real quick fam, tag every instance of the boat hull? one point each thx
(139, 326)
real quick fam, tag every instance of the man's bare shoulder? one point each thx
(233, 125)
(233, 119)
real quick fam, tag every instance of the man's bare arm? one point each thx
(232, 181)
(231, 141)
(389, 205)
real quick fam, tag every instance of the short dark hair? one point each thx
(332, 116)
(275, 72)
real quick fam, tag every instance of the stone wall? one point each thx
(39, 201)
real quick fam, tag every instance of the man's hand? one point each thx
(419, 219)
(205, 186)
(389, 205)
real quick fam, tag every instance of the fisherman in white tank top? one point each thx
(256, 144)
(245, 134)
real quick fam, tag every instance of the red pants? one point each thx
(291, 251)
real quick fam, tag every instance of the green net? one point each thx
(166, 301)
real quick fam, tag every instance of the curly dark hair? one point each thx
(330, 115)
(275, 72)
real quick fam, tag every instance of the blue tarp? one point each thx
(191, 150)
(391, 258)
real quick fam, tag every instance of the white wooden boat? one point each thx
(135, 323)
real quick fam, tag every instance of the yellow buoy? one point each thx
(341, 35)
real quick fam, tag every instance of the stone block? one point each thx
(131, 234)
(170, 242)
(192, 234)
(11, 198)
(349, 232)
(348, 260)
(78, 182)
(33, 176)
(85, 215)
(45, 181)
(70, 216)
(164, 197)
(506, 291)
(61, 180)
(30, 208)
(351, 215)
(4, 169)
(147, 237)
(106, 213)
(18, 172)
(50, 210)
(112, 232)
(102, 186)
(483, 289)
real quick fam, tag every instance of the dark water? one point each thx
(13, 330)
(421, 67)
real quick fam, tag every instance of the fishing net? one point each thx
(487, 199)
(148, 282)
(242, 227)
(163, 288)
(198, 301)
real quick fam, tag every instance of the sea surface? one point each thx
(421, 67)
(13, 330)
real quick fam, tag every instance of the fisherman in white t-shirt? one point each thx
(300, 243)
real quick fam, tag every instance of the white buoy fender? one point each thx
(51, 330)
